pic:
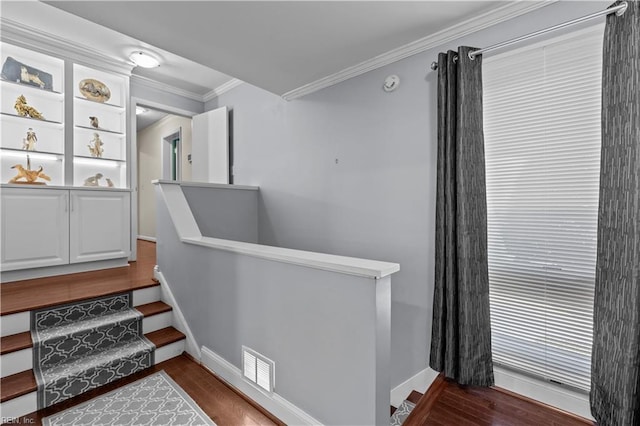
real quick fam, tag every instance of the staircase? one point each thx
(73, 350)
(400, 414)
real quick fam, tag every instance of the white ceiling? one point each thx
(276, 45)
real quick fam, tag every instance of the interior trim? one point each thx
(477, 23)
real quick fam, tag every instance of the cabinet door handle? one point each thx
(71, 203)
(66, 200)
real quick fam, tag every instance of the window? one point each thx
(542, 147)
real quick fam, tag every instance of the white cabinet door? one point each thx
(35, 228)
(100, 225)
(210, 146)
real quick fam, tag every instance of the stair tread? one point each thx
(17, 385)
(21, 296)
(164, 336)
(153, 308)
(25, 382)
(15, 342)
(414, 397)
(84, 325)
(102, 358)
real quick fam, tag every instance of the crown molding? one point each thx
(157, 85)
(223, 88)
(488, 19)
(16, 33)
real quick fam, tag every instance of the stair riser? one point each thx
(28, 403)
(15, 323)
(19, 361)
(21, 322)
(16, 362)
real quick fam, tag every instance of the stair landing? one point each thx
(21, 296)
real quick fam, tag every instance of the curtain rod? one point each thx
(618, 10)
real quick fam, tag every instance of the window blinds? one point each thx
(542, 147)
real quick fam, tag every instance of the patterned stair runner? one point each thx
(81, 346)
(401, 414)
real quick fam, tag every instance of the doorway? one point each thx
(163, 144)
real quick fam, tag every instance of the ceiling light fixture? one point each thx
(140, 110)
(144, 60)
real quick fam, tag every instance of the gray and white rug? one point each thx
(153, 400)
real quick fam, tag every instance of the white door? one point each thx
(210, 146)
(99, 225)
(35, 228)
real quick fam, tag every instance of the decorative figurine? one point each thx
(93, 180)
(94, 122)
(30, 176)
(30, 78)
(29, 143)
(109, 183)
(13, 70)
(96, 150)
(94, 90)
(25, 110)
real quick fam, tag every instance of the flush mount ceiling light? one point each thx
(144, 60)
(140, 110)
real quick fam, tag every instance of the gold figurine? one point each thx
(29, 143)
(25, 110)
(94, 122)
(30, 176)
(96, 150)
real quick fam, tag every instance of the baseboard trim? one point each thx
(526, 387)
(419, 382)
(191, 346)
(274, 403)
(545, 406)
(145, 238)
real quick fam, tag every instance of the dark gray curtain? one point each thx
(615, 363)
(461, 333)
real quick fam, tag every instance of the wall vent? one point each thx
(258, 369)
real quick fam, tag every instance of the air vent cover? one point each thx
(258, 369)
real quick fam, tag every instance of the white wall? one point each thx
(150, 166)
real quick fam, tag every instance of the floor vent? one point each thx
(258, 369)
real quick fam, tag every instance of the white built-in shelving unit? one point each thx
(51, 136)
(49, 149)
(63, 222)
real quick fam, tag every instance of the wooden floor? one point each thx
(219, 401)
(447, 404)
(22, 296)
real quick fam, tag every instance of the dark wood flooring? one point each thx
(449, 404)
(222, 403)
(25, 295)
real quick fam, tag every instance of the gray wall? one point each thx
(351, 170)
(327, 333)
(230, 214)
